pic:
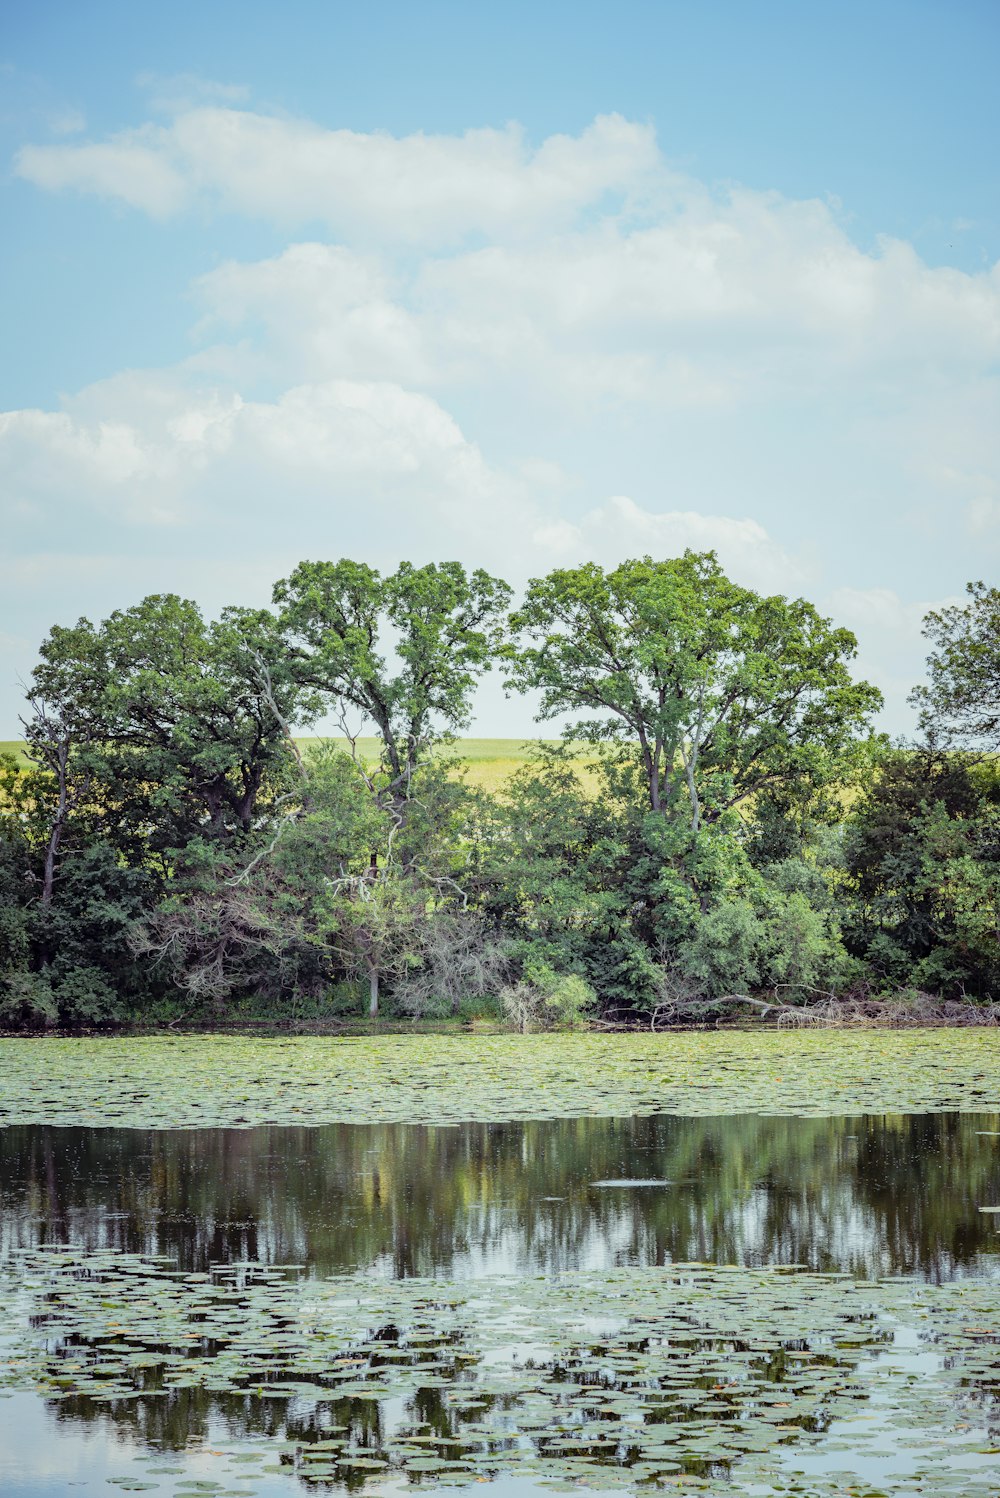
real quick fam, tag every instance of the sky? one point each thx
(521, 285)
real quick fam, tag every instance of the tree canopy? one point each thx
(403, 651)
(175, 724)
(960, 704)
(702, 835)
(724, 694)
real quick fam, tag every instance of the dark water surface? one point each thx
(870, 1197)
(896, 1194)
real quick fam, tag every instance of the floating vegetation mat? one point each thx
(214, 1081)
(721, 1379)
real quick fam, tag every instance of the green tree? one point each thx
(403, 651)
(170, 727)
(232, 928)
(18, 870)
(159, 745)
(922, 903)
(721, 694)
(960, 704)
(581, 878)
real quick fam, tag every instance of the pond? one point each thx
(736, 1304)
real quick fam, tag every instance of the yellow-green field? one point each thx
(490, 761)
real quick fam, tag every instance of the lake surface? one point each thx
(871, 1196)
(734, 1304)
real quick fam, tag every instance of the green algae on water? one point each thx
(238, 1082)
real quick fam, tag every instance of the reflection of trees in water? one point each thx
(871, 1195)
(684, 1392)
(174, 1420)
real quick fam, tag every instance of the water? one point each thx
(483, 1206)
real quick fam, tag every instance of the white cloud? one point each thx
(721, 304)
(412, 189)
(891, 649)
(983, 515)
(67, 121)
(621, 529)
(132, 167)
(880, 609)
(38, 447)
(506, 334)
(149, 450)
(324, 310)
(720, 300)
(698, 300)
(180, 91)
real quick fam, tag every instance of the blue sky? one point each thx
(519, 284)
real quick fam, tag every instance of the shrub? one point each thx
(546, 1000)
(459, 963)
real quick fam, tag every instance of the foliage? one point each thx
(170, 728)
(66, 960)
(543, 999)
(780, 942)
(460, 961)
(923, 860)
(221, 937)
(720, 694)
(15, 861)
(720, 823)
(442, 628)
(960, 705)
(90, 968)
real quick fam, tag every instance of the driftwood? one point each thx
(853, 1010)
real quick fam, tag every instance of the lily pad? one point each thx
(201, 1081)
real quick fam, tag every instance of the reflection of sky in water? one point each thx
(872, 1196)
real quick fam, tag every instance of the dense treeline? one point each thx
(719, 824)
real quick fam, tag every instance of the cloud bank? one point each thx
(521, 355)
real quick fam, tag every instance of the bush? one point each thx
(723, 955)
(27, 1000)
(80, 944)
(459, 963)
(779, 941)
(546, 1000)
(15, 943)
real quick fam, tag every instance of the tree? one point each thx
(394, 904)
(722, 694)
(175, 728)
(960, 705)
(581, 881)
(923, 865)
(404, 651)
(233, 928)
(160, 746)
(462, 960)
(16, 868)
(374, 923)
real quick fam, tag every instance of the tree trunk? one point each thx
(55, 835)
(49, 875)
(373, 993)
(689, 761)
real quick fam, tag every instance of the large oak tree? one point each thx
(723, 694)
